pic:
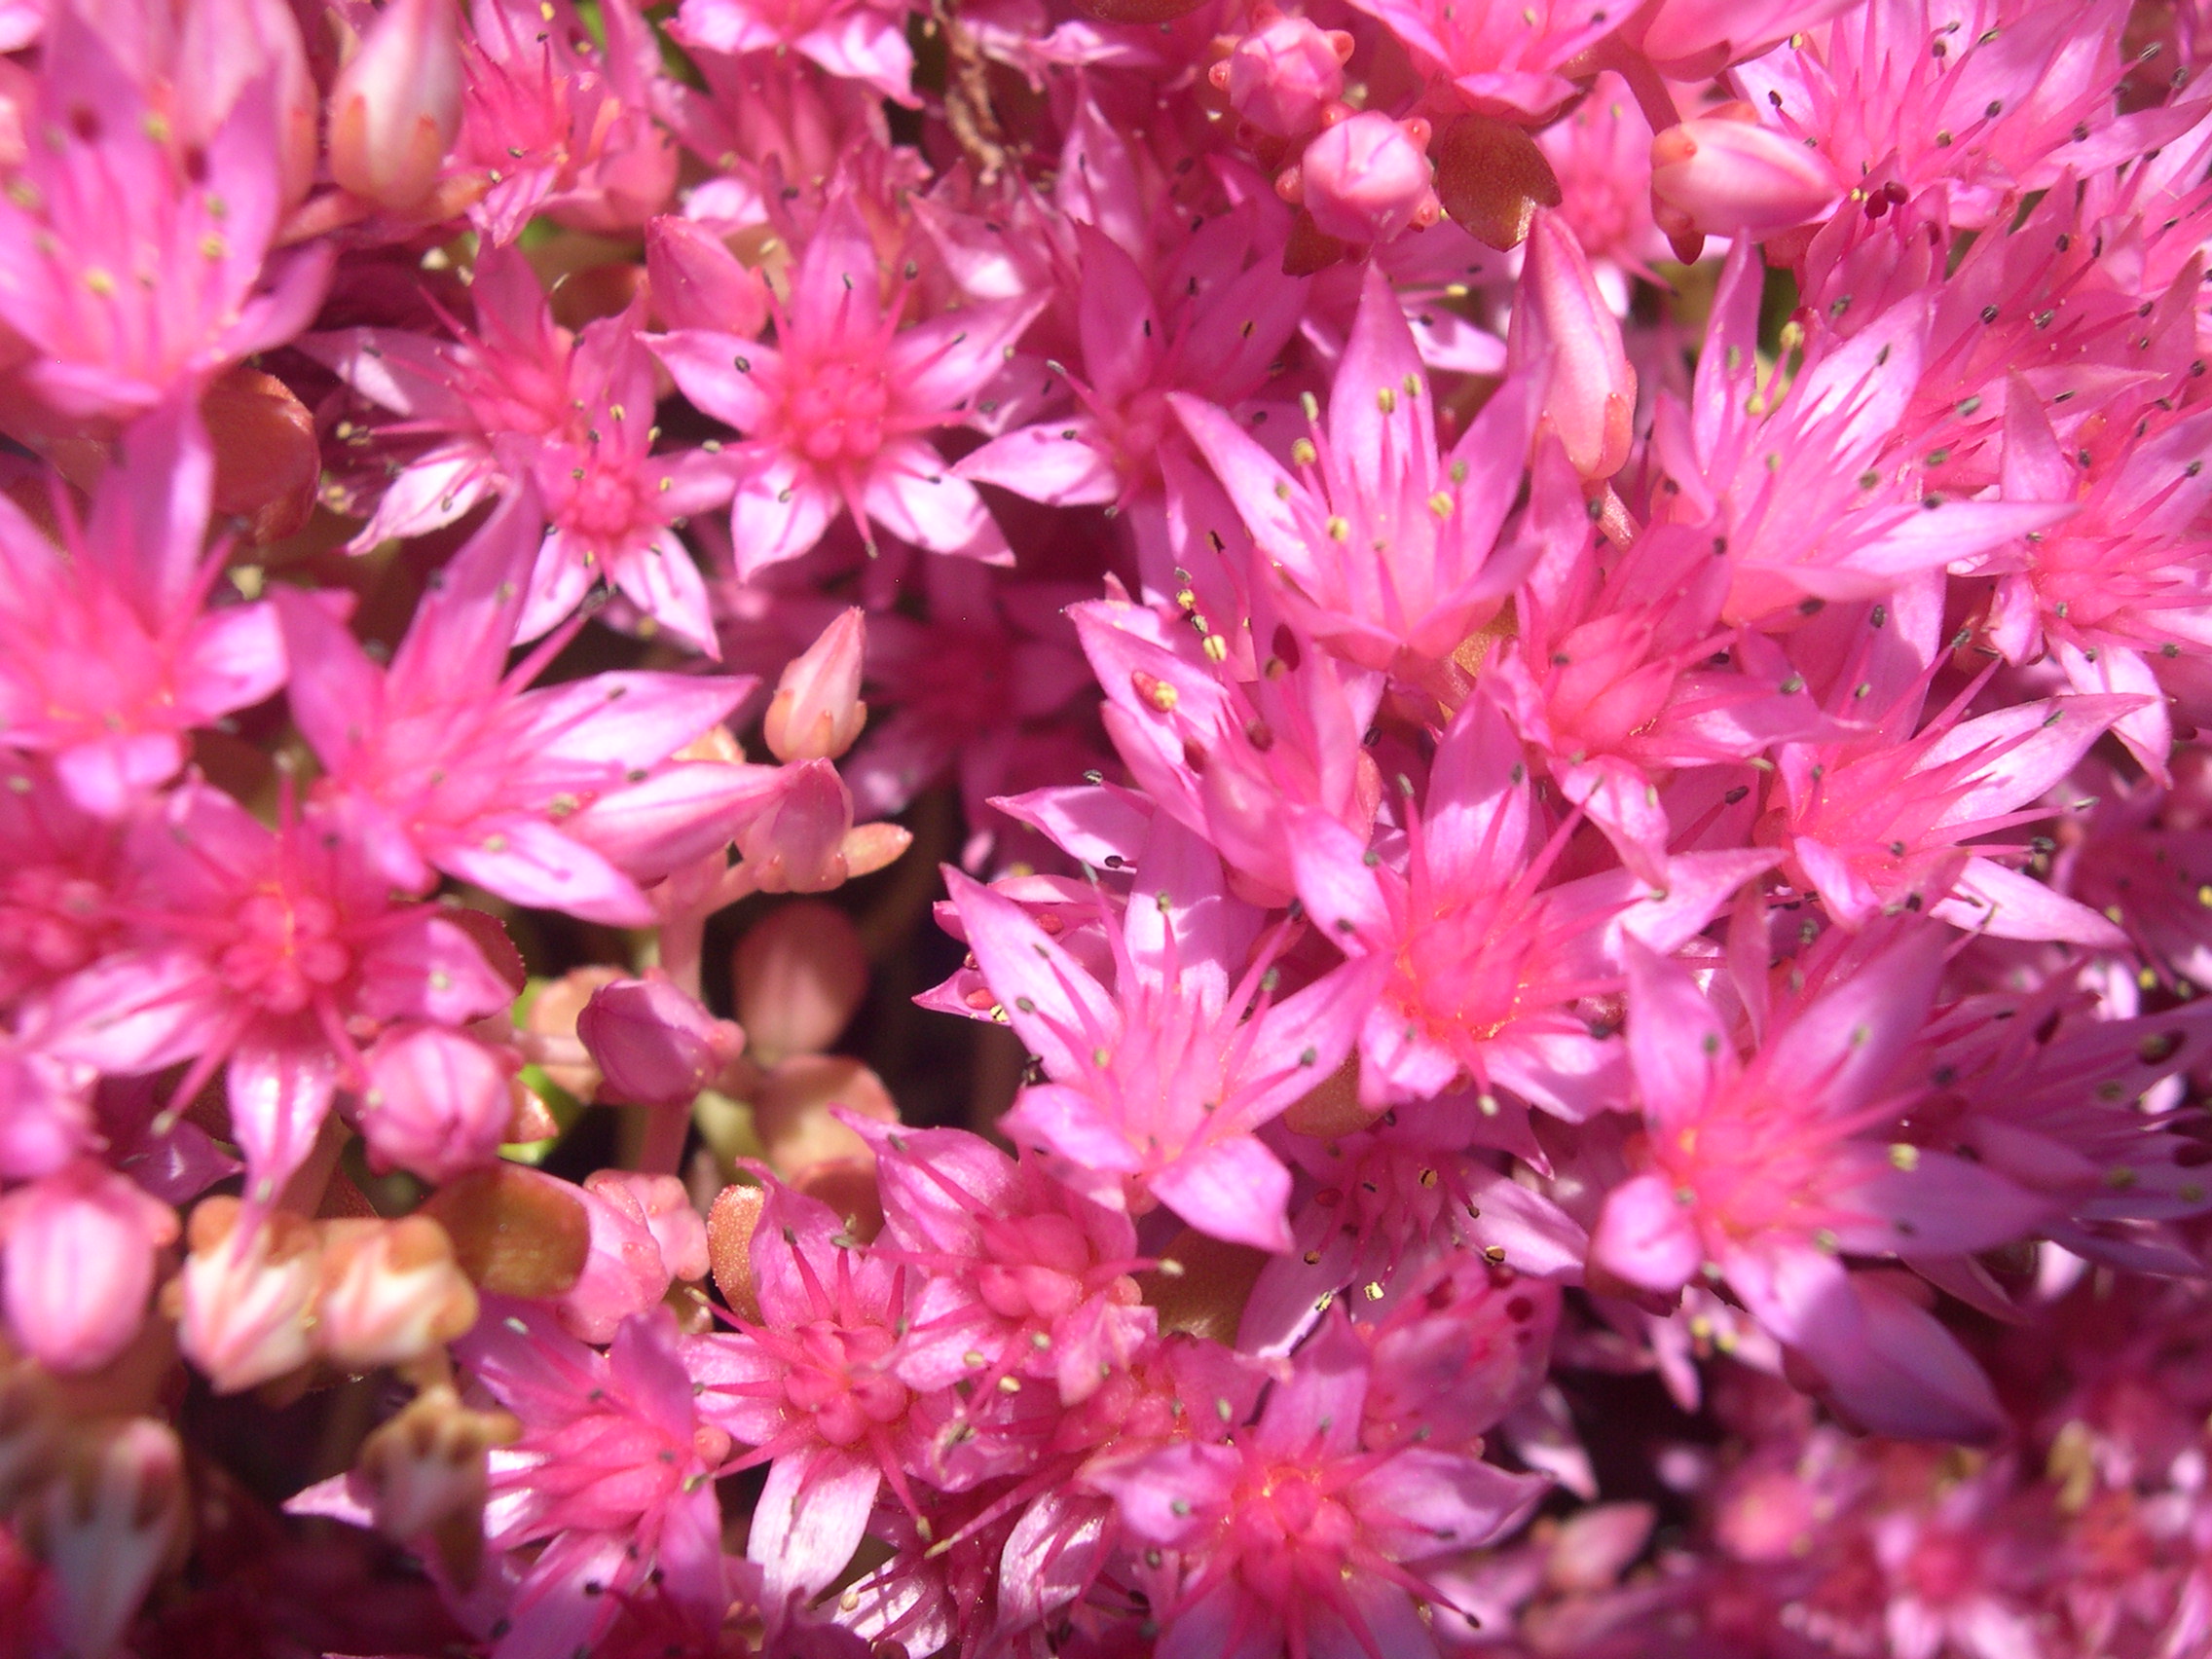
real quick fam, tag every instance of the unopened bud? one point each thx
(1562, 332)
(77, 1255)
(655, 1045)
(801, 975)
(697, 282)
(662, 1205)
(1366, 179)
(552, 1013)
(1283, 77)
(796, 844)
(817, 711)
(390, 1292)
(105, 1528)
(438, 1102)
(245, 1299)
(425, 1474)
(395, 108)
(1725, 175)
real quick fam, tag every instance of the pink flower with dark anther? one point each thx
(1506, 61)
(267, 947)
(1157, 1086)
(833, 411)
(653, 1044)
(1765, 1170)
(561, 123)
(1797, 482)
(1021, 1278)
(1297, 1535)
(614, 1476)
(509, 377)
(813, 1389)
(612, 503)
(110, 652)
(395, 108)
(1565, 339)
(1480, 957)
(1284, 75)
(1389, 553)
(77, 1264)
(1367, 178)
(445, 760)
(2121, 587)
(854, 40)
(434, 1101)
(135, 239)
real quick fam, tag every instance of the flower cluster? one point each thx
(1547, 661)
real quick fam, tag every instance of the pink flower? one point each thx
(1798, 484)
(264, 949)
(833, 411)
(135, 244)
(1480, 959)
(614, 1476)
(1601, 153)
(813, 1389)
(1386, 550)
(856, 40)
(1769, 1167)
(58, 864)
(510, 378)
(560, 124)
(110, 655)
(1022, 1277)
(446, 760)
(77, 1264)
(1295, 1536)
(1157, 1086)
(1504, 59)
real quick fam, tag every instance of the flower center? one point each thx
(835, 411)
(285, 951)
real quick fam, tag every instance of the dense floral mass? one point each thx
(854, 829)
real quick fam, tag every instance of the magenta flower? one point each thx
(1504, 59)
(833, 412)
(1797, 483)
(1768, 1167)
(446, 760)
(814, 1390)
(612, 502)
(855, 40)
(510, 378)
(1480, 959)
(1295, 1536)
(270, 950)
(1389, 552)
(1158, 1084)
(614, 1477)
(135, 239)
(110, 655)
(1022, 1277)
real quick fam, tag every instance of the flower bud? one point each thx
(662, 1205)
(1725, 175)
(655, 1045)
(1563, 331)
(105, 1528)
(817, 711)
(437, 1102)
(390, 1292)
(623, 1271)
(697, 282)
(245, 1299)
(1283, 77)
(395, 108)
(553, 1012)
(796, 844)
(78, 1262)
(801, 975)
(424, 1473)
(1367, 178)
